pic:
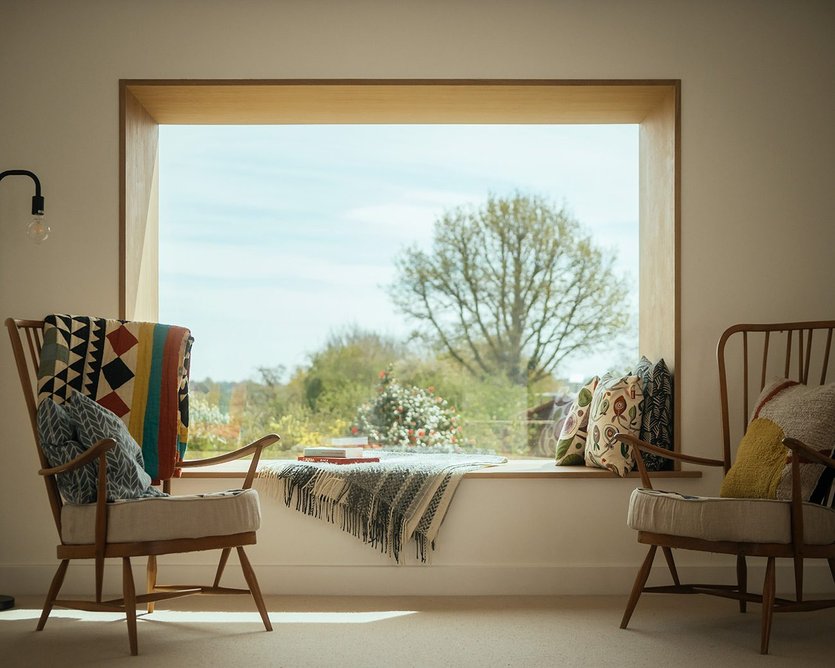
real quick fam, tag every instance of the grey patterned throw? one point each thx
(384, 504)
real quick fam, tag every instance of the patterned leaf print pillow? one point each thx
(658, 407)
(126, 476)
(572, 440)
(656, 411)
(57, 437)
(644, 372)
(615, 407)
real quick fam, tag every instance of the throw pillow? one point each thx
(615, 407)
(644, 371)
(571, 443)
(126, 476)
(56, 435)
(657, 413)
(784, 408)
(545, 442)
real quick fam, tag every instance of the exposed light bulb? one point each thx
(37, 230)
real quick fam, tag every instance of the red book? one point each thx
(340, 460)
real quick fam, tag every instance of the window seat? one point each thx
(517, 468)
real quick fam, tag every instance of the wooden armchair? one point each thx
(121, 530)
(790, 528)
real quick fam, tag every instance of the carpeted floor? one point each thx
(393, 632)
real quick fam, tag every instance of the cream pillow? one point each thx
(571, 444)
(784, 408)
(615, 407)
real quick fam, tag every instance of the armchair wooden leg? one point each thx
(769, 587)
(254, 589)
(224, 556)
(671, 564)
(742, 580)
(129, 593)
(54, 588)
(151, 579)
(99, 576)
(798, 577)
(638, 587)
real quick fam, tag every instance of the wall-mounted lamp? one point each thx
(37, 230)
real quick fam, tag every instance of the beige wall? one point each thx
(758, 159)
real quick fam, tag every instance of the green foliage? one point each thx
(492, 410)
(343, 374)
(506, 294)
(513, 288)
(406, 415)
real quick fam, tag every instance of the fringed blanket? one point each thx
(384, 504)
(138, 370)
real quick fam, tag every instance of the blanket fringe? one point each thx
(398, 504)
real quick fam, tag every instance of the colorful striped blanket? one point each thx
(138, 370)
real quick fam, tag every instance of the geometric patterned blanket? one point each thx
(404, 496)
(138, 370)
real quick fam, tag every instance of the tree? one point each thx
(514, 287)
(344, 372)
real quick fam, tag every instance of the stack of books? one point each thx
(340, 451)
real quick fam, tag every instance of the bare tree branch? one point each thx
(515, 287)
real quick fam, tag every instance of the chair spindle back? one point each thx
(800, 351)
(29, 357)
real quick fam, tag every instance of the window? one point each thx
(657, 140)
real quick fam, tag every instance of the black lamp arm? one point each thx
(37, 199)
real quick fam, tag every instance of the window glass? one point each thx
(442, 287)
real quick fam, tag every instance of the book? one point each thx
(334, 451)
(339, 460)
(346, 441)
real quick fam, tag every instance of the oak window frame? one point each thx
(653, 104)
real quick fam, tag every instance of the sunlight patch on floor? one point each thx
(216, 617)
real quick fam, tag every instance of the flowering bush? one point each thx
(209, 427)
(410, 416)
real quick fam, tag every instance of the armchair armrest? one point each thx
(654, 449)
(253, 448)
(805, 453)
(801, 453)
(88, 455)
(243, 451)
(97, 451)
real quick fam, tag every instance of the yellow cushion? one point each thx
(759, 463)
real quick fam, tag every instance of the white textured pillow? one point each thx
(615, 407)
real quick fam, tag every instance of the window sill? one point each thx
(518, 468)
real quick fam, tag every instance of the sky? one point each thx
(272, 237)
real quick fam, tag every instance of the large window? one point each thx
(445, 287)
(494, 389)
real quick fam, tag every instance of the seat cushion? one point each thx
(736, 520)
(165, 518)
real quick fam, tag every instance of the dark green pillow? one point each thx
(657, 415)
